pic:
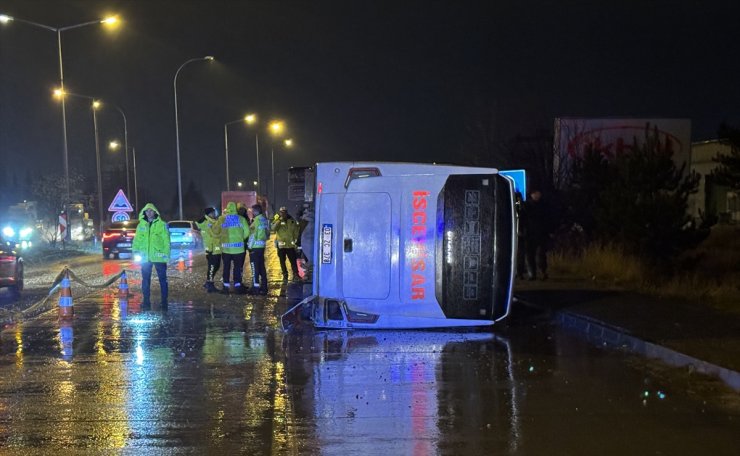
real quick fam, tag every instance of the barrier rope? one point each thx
(10, 315)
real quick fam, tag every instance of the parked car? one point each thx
(118, 238)
(11, 266)
(184, 233)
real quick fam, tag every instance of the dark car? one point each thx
(11, 266)
(118, 238)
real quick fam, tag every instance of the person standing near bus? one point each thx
(152, 245)
(537, 234)
(286, 233)
(258, 233)
(232, 229)
(212, 246)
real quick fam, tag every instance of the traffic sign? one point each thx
(120, 203)
(519, 177)
(120, 217)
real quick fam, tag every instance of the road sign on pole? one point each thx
(120, 207)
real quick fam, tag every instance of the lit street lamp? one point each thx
(111, 20)
(177, 129)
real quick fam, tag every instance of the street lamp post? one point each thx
(58, 30)
(96, 104)
(125, 148)
(113, 145)
(276, 128)
(177, 129)
(251, 119)
(136, 188)
(226, 144)
(95, 107)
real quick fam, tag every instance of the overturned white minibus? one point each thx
(408, 245)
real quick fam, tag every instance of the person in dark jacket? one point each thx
(537, 235)
(521, 229)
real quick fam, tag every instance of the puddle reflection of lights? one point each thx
(139, 354)
(143, 320)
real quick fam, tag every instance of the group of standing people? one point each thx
(227, 239)
(240, 231)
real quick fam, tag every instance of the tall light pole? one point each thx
(58, 30)
(136, 188)
(95, 104)
(114, 145)
(177, 129)
(251, 120)
(95, 107)
(226, 146)
(125, 148)
(276, 129)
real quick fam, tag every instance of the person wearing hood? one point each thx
(259, 232)
(232, 229)
(212, 245)
(286, 233)
(152, 245)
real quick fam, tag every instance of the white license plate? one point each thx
(123, 244)
(326, 235)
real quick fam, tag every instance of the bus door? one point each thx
(366, 246)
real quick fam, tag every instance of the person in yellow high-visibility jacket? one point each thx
(286, 235)
(232, 229)
(212, 246)
(152, 247)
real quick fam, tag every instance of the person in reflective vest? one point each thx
(152, 247)
(258, 233)
(286, 230)
(212, 246)
(232, 229)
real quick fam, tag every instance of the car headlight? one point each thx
(9, 231)
(26, 232)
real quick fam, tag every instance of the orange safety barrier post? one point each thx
(123, 287)
(66, 307)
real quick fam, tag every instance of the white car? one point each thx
(184, 233)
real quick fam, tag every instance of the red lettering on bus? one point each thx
(418, 265)
(418, 239)
(420, 200)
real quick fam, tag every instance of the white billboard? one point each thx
(573, 135)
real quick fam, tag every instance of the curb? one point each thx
(602, 333)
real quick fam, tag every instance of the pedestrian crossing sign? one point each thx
(120, 203)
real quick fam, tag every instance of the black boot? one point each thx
(211, 288)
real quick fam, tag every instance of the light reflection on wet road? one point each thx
(214, 374)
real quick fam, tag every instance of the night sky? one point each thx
(353, 80)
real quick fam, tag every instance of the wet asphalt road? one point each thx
(214, 374)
